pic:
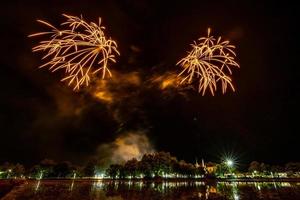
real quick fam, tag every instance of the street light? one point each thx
(229, 163)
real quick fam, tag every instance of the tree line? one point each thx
(262, 168)
(154, 165)
(47, 168)
(160, 164)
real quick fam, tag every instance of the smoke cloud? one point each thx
(165, 81)
(108, 120)
(113, 90)
(129, 145)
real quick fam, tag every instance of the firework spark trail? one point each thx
(76, 48)
(209, 62)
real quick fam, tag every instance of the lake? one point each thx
(147, 190)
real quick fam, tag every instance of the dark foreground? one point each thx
(136, 190)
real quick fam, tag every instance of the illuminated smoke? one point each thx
(117, 88)
(165, 81)
(124, 147)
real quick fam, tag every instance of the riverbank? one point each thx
(20, 181)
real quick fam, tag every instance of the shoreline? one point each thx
(18, 181)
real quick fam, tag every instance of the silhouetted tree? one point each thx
(78, 170)
(89, 168)
(277, 168)
(254, 166)
(63, 169)
(292, 167)
(18, 170)
(265, 168)
(163, 163)
(6, 168)
(145, 166)
(114, 171)
(35, 171)
(222, 169)
(131, 168)
(47, 168)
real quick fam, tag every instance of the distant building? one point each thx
(196, 164)
(211, 168)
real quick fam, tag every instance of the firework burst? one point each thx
(79, 48)
(208, 63)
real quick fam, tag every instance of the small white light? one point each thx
(229, 163)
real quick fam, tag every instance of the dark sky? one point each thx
(43, 118)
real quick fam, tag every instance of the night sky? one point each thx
(42, 117)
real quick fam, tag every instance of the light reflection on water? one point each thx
(135, 190)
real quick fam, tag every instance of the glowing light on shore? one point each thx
(80, 48)
(99, 175)
(229, 163)
(41, 175)
(208, 63)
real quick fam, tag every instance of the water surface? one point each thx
(142, 190)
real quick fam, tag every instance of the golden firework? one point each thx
(79, 48)
(209, 62)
